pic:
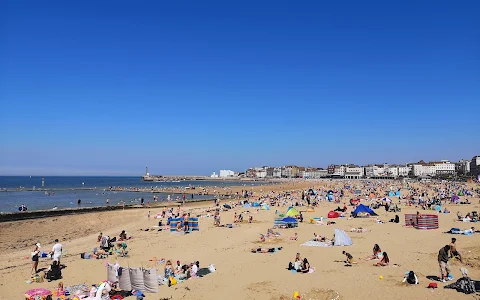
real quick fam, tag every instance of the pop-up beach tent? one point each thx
(363, 209)
(341, 238)
(391, 194)
(265, 206)
(292, 212)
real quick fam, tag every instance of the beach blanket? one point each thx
(316, 244)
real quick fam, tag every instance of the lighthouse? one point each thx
(146, 172)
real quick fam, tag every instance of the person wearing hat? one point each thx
(35, 256)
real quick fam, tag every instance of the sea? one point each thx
(65, 191)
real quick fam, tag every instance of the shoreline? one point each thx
(39, 214)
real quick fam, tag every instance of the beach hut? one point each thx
(341, 238)
(292, 212)
(362, 209)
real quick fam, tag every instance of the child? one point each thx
(349, 261)
(411, 278)
(295, 237)
(60, 291)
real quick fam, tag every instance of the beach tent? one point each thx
(292, 212)
(227, 206)
(265, 206)
(330, 192)
(247, 205)
(311, 192)
(397, 193)
(288, 222)
(341, 238)
(363, 209)
(255, 204)
(330, 197)
(332, 214)
(455, 198)
(460, 193)
(387, 199)
(391, 194)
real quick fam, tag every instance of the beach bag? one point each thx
(211, 268)
(124, 280)
(111, 274)
(136, 279)
(150, 280)
(172, 281)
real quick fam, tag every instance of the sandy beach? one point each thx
(240, 273)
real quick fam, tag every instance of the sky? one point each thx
(191, 87)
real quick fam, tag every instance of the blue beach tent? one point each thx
(363, 209)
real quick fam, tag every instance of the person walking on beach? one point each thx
(57, 251)
(443, 258)
(35, 256)
(148, 215)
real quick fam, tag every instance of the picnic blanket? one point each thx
(316, 244)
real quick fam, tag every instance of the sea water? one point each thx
(65, 191)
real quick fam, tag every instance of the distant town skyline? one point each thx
(191, 88)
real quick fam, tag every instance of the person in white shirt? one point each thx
(57, 251)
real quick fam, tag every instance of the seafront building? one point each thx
(475, 167)
(376, 171)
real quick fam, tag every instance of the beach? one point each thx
(241, 274)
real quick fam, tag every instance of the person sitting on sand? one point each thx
(122, 236)
(411, 278)
(305, 266)
(121, 249)
(294, 237)
(266, 250)
(54, 272)
(168, 270)
(194, 269)
(377, 253)
(250, 219)
(384, 261)
(349, 261)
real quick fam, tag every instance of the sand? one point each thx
(240, 273)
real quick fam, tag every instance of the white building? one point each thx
(433, 168)
(226, 173)
(277, 172)
(214, 175)
(404, 171)
(339, 171)
(354, 172)
(261, 173)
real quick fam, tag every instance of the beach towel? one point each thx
(316, 244)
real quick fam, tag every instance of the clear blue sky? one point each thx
(189, 87)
